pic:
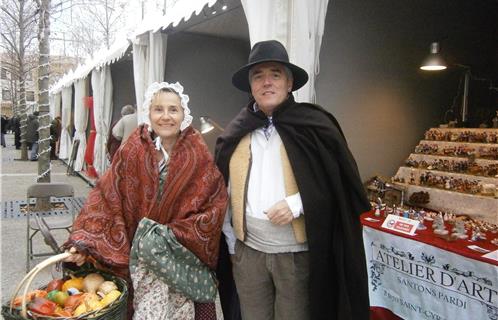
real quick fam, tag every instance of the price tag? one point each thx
(400, 224)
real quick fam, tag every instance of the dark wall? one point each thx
(204, 66)
(370, 78)
(123, 86)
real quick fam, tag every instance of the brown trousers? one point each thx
(271, 286)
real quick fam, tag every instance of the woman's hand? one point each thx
(76, 257)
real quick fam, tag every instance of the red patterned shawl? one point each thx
(193, 202)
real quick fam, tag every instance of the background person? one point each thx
(112, 142)
(125, 126)
(55, 133)
(32, 135)
(15, 126)
(3, 129)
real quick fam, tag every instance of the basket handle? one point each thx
(28, 278)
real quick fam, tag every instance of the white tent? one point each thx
(298, 24)
(149, 50)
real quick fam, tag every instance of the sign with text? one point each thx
(400, 224)
(418, 281)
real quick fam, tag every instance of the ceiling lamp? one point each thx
(434, 61)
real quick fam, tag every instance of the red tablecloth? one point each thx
(427, 236)
(378, 313)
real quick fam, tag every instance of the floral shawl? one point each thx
(192, 204)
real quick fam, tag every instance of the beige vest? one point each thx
(239, 179)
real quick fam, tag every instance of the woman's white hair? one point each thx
(149, 95)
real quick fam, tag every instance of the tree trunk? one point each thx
(43, 82)
(43, 103)
(15, 93)
(23, 106)
(23, 113)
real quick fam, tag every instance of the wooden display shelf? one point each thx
(431, 157)
(475, 206)
(466, 129)
(406, 171)
(460, 143)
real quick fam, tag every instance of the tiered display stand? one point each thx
(458, 168)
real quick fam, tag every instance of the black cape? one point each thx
(333, 198)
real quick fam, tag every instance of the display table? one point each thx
(427, 277)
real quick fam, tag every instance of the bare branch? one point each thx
(11, 45)
(9, 14)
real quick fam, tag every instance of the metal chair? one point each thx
(70, 164)
(36, 223)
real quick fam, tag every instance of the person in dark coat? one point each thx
(15, 126)
(32, 135)
(55, 133)
(3, 129)
(293, 230)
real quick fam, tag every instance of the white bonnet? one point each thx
(152, 90)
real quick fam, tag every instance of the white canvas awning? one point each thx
(100, 59)
(183, 10)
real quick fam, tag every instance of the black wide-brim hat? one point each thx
(268, 51)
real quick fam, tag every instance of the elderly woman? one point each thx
(164, 173)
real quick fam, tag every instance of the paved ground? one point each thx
(16, 176)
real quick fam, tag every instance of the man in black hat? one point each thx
(293, 229)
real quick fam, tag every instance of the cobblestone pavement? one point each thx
(16, 176)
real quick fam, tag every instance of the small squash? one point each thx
(73, 283)
(92, 282)
(110, 298)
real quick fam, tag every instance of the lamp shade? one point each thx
(434, 61)
(205, 125)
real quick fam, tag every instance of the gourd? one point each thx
(106, 287)
(92, 282)
(110, 298)
(73, 283)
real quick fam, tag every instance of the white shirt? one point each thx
(159, 146)
(266, 182)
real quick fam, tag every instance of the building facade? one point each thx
(9, 82)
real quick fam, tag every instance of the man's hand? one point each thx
(280, 213)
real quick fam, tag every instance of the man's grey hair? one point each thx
(128, 109)
(287, 70)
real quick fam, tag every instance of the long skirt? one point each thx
(155, 300)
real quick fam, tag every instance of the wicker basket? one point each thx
(115, 311)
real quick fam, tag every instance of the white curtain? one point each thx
(306, 32)
(65, 143)
(298, 25)
(102, 111)
(107, 115)
(98, 103)
(51, 102)
(267, 20)
(80, 122)
(140, 69)
(57, 105)
(149, 62)
(157, 56)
